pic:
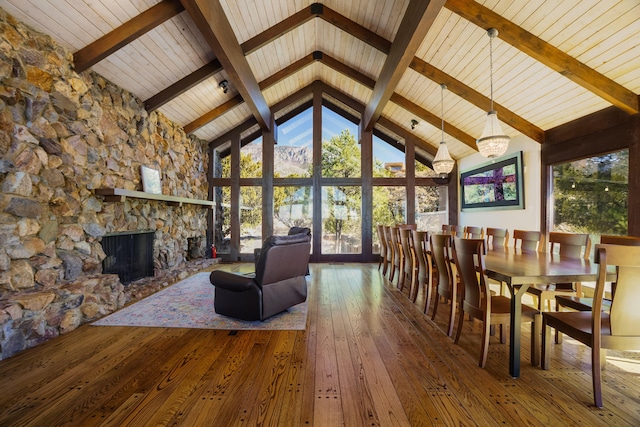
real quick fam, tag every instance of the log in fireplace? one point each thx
(129, 255)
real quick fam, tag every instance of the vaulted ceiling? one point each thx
(553, 61)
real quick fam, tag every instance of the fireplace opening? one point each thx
(129, 255)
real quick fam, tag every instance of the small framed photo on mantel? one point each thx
(151, 180)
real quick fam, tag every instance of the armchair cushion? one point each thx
(232, 282)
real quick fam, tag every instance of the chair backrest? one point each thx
(457, 231)
(407, 248)
(283, 257)
(383, 240)
(468, 256)
(471, 232)
(440, 244)
(446, 228)
(408, 226)
(570, 245)
(395, 242)
(620, 240)
(423, 254)
(623, 314)
(497, 237)
(530, 241)
(390, 249)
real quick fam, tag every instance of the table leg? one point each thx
(514, 331)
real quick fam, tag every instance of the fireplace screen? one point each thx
(129, 255)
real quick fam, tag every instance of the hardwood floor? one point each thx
(368, 357)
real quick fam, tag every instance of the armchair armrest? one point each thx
(230, 281)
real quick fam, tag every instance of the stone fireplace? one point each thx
(129, 255)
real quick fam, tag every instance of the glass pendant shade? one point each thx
(493, 142)
(443, 163)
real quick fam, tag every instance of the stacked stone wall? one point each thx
(63, 135)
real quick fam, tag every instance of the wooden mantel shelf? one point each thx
(120, 195)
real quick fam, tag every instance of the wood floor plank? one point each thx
(368, 356)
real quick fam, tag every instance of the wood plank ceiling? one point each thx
(553, 61)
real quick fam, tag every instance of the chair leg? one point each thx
(558, 334)
(415, 286)
(460, 325)
(435, 306)
(484, 349)
(452, 315)
(546, 340)
(536, 335)
(596, 375)
(503, 334)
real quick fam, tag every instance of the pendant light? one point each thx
(493, 142)
(442, 163)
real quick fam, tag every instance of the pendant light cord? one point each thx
(442, 87)
(491, 36)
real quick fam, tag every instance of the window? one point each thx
(293, 155)
(590, 195)
(292, 207)
(388, 161)
(251, 159)
(341, 220)
(340, 149)
(250, 219)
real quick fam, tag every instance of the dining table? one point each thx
(518, 269)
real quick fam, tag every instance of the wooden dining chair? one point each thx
(567, 245)
(471, 232)
(446, 286)
(580, 303)
(390, 251)
(408, 266)
(394, 238)
(479, 303)
(425, 268)
(617, 330)
(382, 263)
(497, 237)
(530, 241)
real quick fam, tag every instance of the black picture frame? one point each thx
(495, 185)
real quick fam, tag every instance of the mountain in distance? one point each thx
(288, 160)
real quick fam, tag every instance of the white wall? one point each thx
(524, 219)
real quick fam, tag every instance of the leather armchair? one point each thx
(278, 284)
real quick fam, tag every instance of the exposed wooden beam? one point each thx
(401, 101)
(211, 115)
(183, 85)
(281, 28)
(288, 71)
(416, 22)
(233, 133)
(383, 121)
(341, 97)
(434, 120)
(344, 69)
(304, 93)
(357, 30)
(266, 83)
(212, 22)
(401, 131)
(476, 98)
(547, 54)
(126, 33)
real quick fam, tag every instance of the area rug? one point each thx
(189, 304)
